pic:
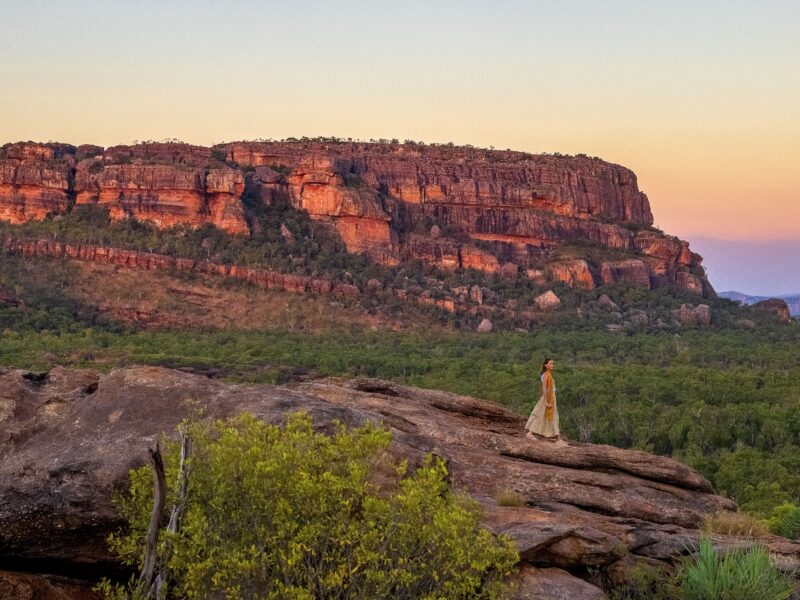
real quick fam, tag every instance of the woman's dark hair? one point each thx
(546, 360)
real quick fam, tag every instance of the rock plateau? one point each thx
(496, 211)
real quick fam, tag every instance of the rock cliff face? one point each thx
(35, 179)
(69, 438)
(454, 207)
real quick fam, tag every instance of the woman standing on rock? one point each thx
(543, 421)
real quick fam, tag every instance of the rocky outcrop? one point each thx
(166, 184)
(148, 260)
(631, 270)
(547, 301)
(692, 315)
(69, 437)
(35, 179)
(779, 308)
(166, 195)
(574, 273)
(490, 210)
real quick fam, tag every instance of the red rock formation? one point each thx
(34, 181)
(521, 205)
(486, 208)
(166, 195)
(575, 273)
(777, 307)
(629, 271)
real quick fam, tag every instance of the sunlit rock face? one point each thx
(453, 207)
(486, 207)
(35, 180)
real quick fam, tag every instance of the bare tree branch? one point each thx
(178, 509)
(145, 584)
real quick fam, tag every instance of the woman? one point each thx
(543, 421)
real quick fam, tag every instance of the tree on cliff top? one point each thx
(285, 512)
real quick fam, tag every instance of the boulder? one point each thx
(485, 326)
(574, 273)
(607, 303)
(553, 584)
(547, 301)
(775, 306)
(692, 315)
(476, 294)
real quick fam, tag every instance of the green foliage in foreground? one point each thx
(736, 575)
(285, 512)
(742, 574)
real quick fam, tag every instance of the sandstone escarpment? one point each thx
(166, 195)
(35, 179)
(166, 184)
(69, 438)
(487, 208)
(518, 207)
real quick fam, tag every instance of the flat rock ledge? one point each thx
(584, 514)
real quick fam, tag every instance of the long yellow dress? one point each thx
(543, 420)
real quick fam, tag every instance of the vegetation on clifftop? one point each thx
(285, 512)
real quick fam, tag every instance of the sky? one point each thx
(700, 99)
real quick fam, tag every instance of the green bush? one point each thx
(647, 582)
(737, 575)
(785, 521)
(285, 512)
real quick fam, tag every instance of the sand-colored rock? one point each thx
(693, 315)
(485, 326)
(547, 300)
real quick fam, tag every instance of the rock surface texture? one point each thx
(69, 437)
(496, 211)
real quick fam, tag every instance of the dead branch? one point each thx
(145, 583)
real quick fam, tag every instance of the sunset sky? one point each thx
(700, 99)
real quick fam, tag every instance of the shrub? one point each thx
(739, 574)
(735, 523)
(509, 498)
(646, 582)
(785, 521)
(285, 512)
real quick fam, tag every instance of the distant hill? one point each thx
(793, 300)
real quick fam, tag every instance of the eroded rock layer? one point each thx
(453, 207)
